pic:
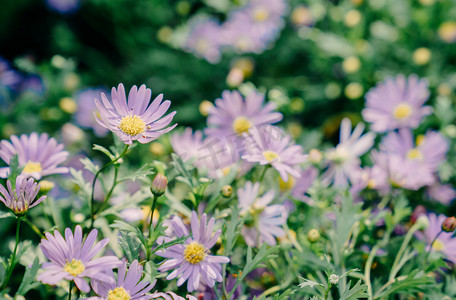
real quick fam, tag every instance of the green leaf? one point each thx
(184, 175)
(8, 214)
(104, 150)
(253, 263)
(89, 165)
(309, 283)
(172, 243)
(28, 281)
(3, 267)
(145, 170)
(130, 245)
(14, 169)
(232, 230)
(356, 292)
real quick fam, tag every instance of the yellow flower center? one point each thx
(119, 293)
(270, 155)
(75, 267)
(286, 186)
(438, 245)
(260, 14)
(194, 253)
(415, 154)
(402, 111)
(419, 139)
(32, 167)
(371, 184)
(132, 125)
(241, 125)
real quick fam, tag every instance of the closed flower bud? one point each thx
(423, 222)
(334, 279)
(226, 191)
(159, 184)
(46, 186)
(313, 235)
(449, 225)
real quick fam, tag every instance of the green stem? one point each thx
(151, 221)
(263, 173)
(34, 228)
(433, 241)
(69, 290)
(108, 195)
(367, 271)
(92, 197)
(13, 258)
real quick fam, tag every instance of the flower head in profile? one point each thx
(85, 115)
(205, 40)
(232, 115)
(136, 119)
(191, 260)
(445, 243)
(264, 222)
(268, 145)
(39, 155)
(127, 286)
(22, 197)
(397, 103)
(72, 259)
(343, 160)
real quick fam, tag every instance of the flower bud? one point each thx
(423, 222)
(315, 156)
(159, 184)
(226, 191)
(46, 186)
(334, 279)
(313, 235)
(449, 225)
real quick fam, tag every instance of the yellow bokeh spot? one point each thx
(301, 16)
(270, 155)
(157, 149)
(422, 56)
(74, 268)
(260, 14)
(194, 253)
(438, 245)
(205, 107)
(351, 64)
(241, 125)
(415, 154)
(32, 167)
(68, 105)
(402, 111)
(447, 31)
(132, 125)
(444, 89)
(288, 185)
(354, 90)
(119, 293)
(352, 18)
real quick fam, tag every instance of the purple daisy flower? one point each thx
(239, 34)
(22, 197)
(205, 40)
(343, 160)
(127, 286)
(264, 222)
(191, 260)
(443, 193)
(270, 146)
(39, 155)
(430, 149)
(397, 103)
(71, 259)
(232, 116)
(298, 186)
(445, 243)
(135, 119)
(171, 296)
(188, 145)
(85, 115)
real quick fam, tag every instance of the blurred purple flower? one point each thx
(22, 197)
(243, 37)
(39, 155)
(8, 76)
(136, 119)
(72, 260)
(205, 40)
(268, 145)
(127, 286)
(85, 115)
(445, 243)
(298, 186)
(443, 193)
(191, 261)
(63, 6)
(397, 103)
(188, 145)
(264, 221)
(343, 160)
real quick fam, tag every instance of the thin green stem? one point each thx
(263, 173)
(367, 271)
(433, 241)
(69, 290)
(151, 221)
(13, 258)
(34, 228)
(92, 197)
(108, 195)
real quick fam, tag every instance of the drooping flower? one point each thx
(135, 119)
(73, 260)
(85, 115)
(270, 146)
(23, 196)
(343, 160)
(205, 40)
(191, 260)
(264, 222)
(445, 243)
(397, 103)
(429, 150)
(39, 155)
(128, 285)
(233, 116)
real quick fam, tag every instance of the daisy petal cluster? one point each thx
(23, 196)
(127, 286)
(72, 259)
(205, 40)
(264, 222)
(191, 260)
(270, 146)
(397, 103)
(38, 155)
(343, 161)
(135, 119)
(85, 116)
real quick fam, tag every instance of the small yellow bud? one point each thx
(46, 186)
(204, 107)
(449, 225)
(421, 56)
(226, 191)
(354, 90)
(159, 184)
(302, 16)
(313, 235)
(351, 64)
(68, 105)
